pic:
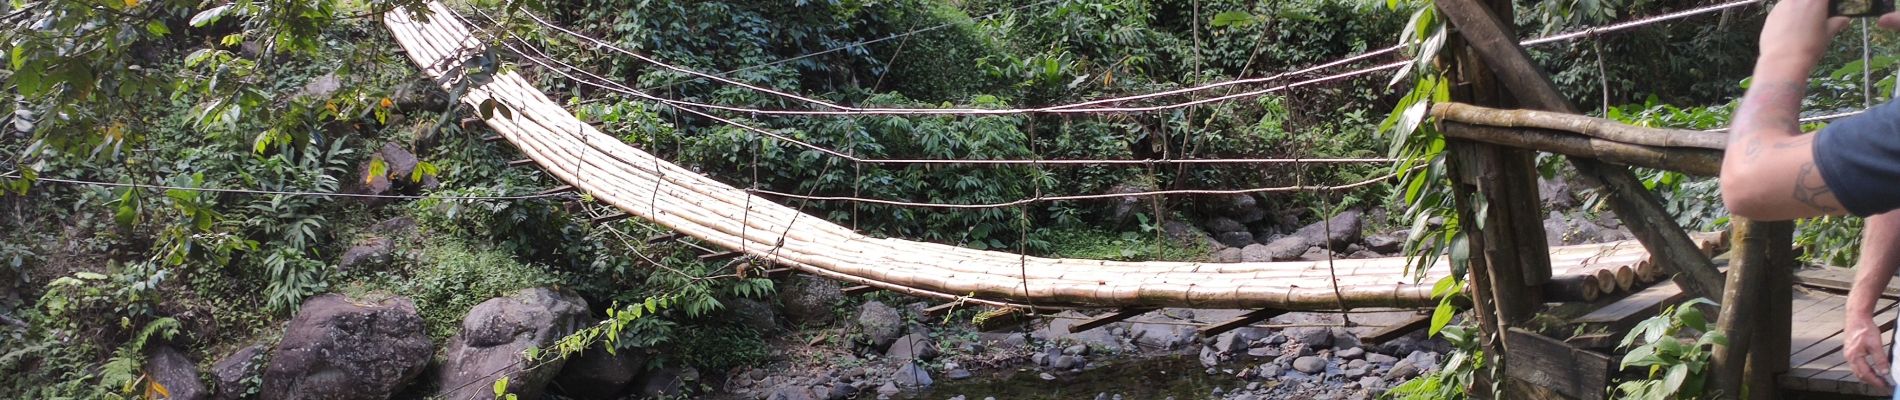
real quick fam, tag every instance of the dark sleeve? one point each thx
(1859, 157)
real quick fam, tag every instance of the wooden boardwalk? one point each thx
(1818, 365)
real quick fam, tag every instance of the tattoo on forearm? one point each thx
(1767, 106)
(1809, 189)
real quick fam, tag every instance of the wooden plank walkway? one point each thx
(1818, 365)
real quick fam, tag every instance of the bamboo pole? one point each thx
(1598, 128)
(1693, 161)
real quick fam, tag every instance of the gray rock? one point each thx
(1066, 362)
(1336, 232)
(668, 381)
(1556, 194)
(597, 375)
(338, 348)
(1209, 357)
(792, 393)
(496, 333)
(880, 324)
(1351, 373)
(1401, 371)
(230, 373)
(1235, 239)
(1257, 253)
(1310, 364)
(1263, 352)
(889, 389)
(912, 347)
(178, 373)
(1345, 339)
(1058, 330)
(838, 391)
(1312, 337)
(1237, 340)
(1126, 207)
(810, 300)
(1373, 383)
(397, 162)
(1186, 234)
(753, 314)
(1286, 248)
(367, 252)
(1269, 370)
(957, 374)
(1162, 336)
(1358, 364)
(1351, 352)
(1220, 225)
(321, 88)
(1385, 243)
(1230, 255)
(1381, 359)
(1041, 359)
(1076, 350)
(1046, 376)
(1317, 253)
(912, 376)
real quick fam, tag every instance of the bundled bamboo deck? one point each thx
(645, 186)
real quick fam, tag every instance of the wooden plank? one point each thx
(557, 190)
(521, 162)
(491, 138)
(859, 289)
(1841, 279)
(1553, 364)
(667, 237)
(1761, 247)
(720, 256)
(1636, 306)
(1632, 202)
(1110, 318)
(611, 218)
(1243, 320)
(1394, 331)
(1699, 162)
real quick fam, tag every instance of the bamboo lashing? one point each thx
(727, 217)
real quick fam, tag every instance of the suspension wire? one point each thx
(288, 192)
(1014, 203)
(837, 109)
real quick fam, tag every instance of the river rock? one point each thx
(497, 332)
(1263, 352)
(912, 376)
(1235, 239)
(1385, 243)
(367, 251)
(666, 382)
(1351, 353)
(880, 324)
(912, 347)
(1257, 253)
(1066, 362)
(1058, 330)
(1344, 339)
(597, 375)
(1312, 337)
(178, 373)
(1162, 336)
(1220, 225)
(810, 300)
(337, 348)
(1402, 371)
(397, 162)
(229, 373)
(1286, 248)
(1381, 359)
(1127, 207)
(1230, 255)
(753, 314)
(957, 374)
(1310, 364)
(1239, 339)
(1336, 232)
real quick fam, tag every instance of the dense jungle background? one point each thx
(164, 231)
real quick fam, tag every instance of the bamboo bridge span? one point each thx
(643, 185)
(1509, 272)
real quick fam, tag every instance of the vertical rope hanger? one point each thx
(1866, 66)
(1325, 223)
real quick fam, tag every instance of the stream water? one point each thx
(1180, 377)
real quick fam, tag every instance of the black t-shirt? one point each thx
(1859, 157)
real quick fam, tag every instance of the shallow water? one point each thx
(1180, 376)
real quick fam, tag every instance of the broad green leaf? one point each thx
(209, 16)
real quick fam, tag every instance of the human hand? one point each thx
(1889, 21)
(1797, 33)
(1865, 354)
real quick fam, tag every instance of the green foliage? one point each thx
(77, 320)
(1146, 244)
(453, 277)
(1676, 366)
(720, 348)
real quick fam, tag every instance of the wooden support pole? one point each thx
(1763, 252)
(858, 290)
(1110, 318)
(521, 162)
(557, 190)
(940, 309)
(780, 272)
(1639, 209)
(720, 256)
(491, 138)
(1242, 321)
(1592, 127)
(1394, 331)
(667, 237)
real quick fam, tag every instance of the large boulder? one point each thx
(1058, 330)
(597, 375)
(494, 336)
(879, 324)
(753, 314)
(339, 348)
(1186, 234)
(668, 382)
(912, 347)
(1256, 253)
(397, 162)
(230, 373)
(1337, 232)
(1125, 208)
(1289, 247)
(810, 300)
(177, 373)
(1223, 225)
(366, 252)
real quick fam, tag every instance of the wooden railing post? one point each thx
(1763, 252)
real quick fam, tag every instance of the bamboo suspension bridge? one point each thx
(1512, 271)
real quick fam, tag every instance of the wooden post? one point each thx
(1755, 317)
(1639, 209)
(1510, 247)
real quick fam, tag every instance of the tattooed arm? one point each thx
(1768, 171)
